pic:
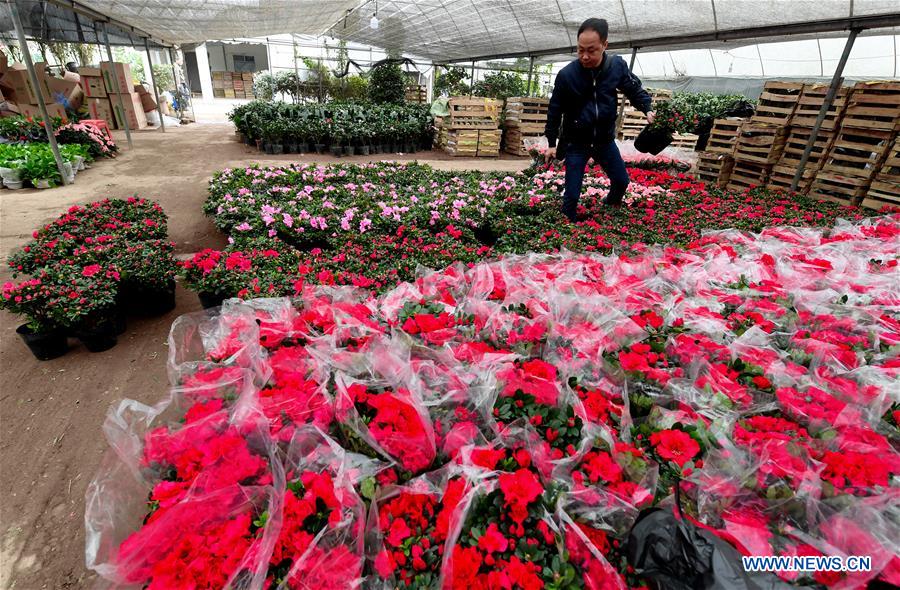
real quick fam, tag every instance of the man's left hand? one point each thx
(651, 115)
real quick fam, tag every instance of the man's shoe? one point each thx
(609, 203)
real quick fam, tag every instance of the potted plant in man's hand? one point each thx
(656, 136)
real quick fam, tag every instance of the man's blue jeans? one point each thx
(608, 157)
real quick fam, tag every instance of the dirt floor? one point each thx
(51, 413)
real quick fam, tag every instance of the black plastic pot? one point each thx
(320, 148)
(148, 301)
(290, 148)
(277, 148)
(363, 150)
(100, 337)
(44, 345)
(208, 300)
(268, 148)
(302, 148)
(242, 137)
(348, 150)
(336, 151)
(652, 141)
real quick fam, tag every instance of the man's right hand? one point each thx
(550, 154)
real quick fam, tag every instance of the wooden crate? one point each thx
(723, 135)
(760, 143)
(810, 103)
(474, 113)
(882, 193)
(747, 174)
(858, 152)
(890, 168)
(777, 103)
(489, 144)
(515, 141)
(837, 188)
(795, 145)
(874, 105)
(527, 113)
(685, 141)
(782, 178)
(461, 142)
(714, 168)
(633, 122)
(416, 93)
(659, 94)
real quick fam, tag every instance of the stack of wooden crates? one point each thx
(472, 127)
(525, 117)
(863, 153)
(714, 166)
(761, 140)
(232, 84)
(416, 93)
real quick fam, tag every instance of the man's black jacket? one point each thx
(585, 100)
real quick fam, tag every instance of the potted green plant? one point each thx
(40, 302)
(337, 138)
(656, 136)
(147, 276)
(40, 169)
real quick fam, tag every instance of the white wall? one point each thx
(221, 55)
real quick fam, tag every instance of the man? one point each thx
(585, 98)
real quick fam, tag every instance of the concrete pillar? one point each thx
(206, 87)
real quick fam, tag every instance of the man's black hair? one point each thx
(598, 25)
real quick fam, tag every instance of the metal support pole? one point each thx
(115, 76)
(823, 112)
(48, 125)
(162, 124)
(472, 77)
(530, 72)
(319, 76)
(619, 119)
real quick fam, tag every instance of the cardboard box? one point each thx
(133, 111)
(19, 84)
(34, 111)
(100, 108)
(147, 102)
(65, 92)
(71, 76)
(123, 71)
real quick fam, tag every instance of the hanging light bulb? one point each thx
(373, 22)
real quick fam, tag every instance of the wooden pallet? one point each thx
(810, 103)
(747, 174)
(633, 122)
(416, 93)
(723, 135)
(795, 145)
(461, 142)
(837, 188)
(777, 103)
(858, 152)
(782, 178)
(659, 94)
(890, 168)
(515, 141)
(685, 141)
(474, 113)
(760, 143)
(882, 193)
(713, 168)
(527, 113)
(874, 105)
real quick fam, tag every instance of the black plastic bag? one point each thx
(739, 108)
(674, 554)
(652, 141)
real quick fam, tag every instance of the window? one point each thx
(244, 63)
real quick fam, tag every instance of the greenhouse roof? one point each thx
(462, 30)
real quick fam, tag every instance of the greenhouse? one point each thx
(433, 294)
